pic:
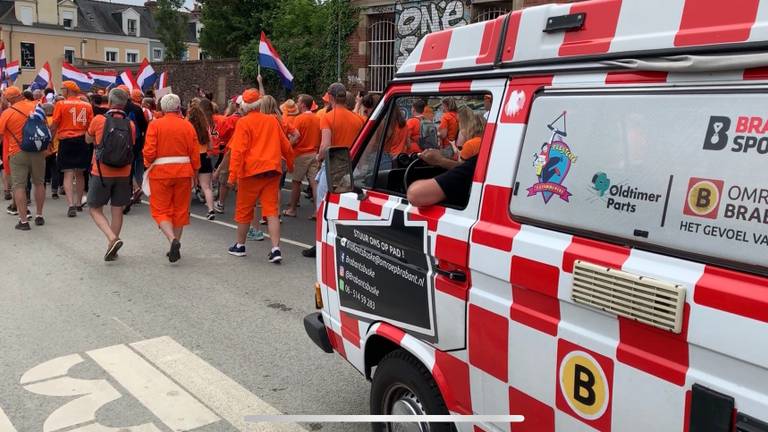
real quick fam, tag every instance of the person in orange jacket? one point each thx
(258, 146)
(171, 153)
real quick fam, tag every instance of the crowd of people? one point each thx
(113, 148)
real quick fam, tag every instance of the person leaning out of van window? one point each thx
(453, 186)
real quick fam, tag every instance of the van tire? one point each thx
(399, 373)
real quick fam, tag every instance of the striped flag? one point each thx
(268, 58)
(146, 76)
(104, 79)
(162, 82)
(12, 71)
(126, 78)
(44, 78)
(71, 73)
(3, 59)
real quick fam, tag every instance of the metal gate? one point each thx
(381, 59)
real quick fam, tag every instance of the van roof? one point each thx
(592, 30)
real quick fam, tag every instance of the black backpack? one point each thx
(116, 147)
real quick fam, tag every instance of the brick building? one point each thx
(388, 31)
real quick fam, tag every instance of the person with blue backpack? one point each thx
(25, 131)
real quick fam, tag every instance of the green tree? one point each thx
(230, 25)
(306, 34)
(171, 27)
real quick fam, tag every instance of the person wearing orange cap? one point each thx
(22, 164)
(258, 146)
(171, 152)
(71, 118)
(137, 96)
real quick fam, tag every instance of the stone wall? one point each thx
(220, 77)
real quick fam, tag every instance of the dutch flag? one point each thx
(71, 73)
(162, 82)
(146, 76)
(268, 58)
(12, 71)
(3, 60)
(104, 79)
(126, 79)
(44, 78)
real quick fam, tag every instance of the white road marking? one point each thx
(233, 226)
(98, 427)
(169, 402)
(5, 423)
(223, 395)
(93, 395)
(50, 369)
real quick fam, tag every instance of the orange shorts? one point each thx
(170, 200)
(259, 188)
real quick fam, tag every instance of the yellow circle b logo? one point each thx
(703, 197)
(584, 385)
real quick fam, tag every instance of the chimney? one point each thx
(151, 5)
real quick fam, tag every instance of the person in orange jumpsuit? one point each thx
(171, 153)
(257, 148)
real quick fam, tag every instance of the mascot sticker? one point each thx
(552, 164)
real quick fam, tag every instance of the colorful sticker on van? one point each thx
(553, 163)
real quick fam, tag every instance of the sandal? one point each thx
(286, 214)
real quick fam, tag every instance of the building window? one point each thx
(489, 13)
(381, 44)
(157, 53)
(27, 55)
(68, 20)
(26, 15)
(202, 55)
(69, 55)
(110, 55)
(132, 57)
(131, 25)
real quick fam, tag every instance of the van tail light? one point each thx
(318, 296)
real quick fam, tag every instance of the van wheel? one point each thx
(403, 386)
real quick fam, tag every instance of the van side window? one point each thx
(452, 125)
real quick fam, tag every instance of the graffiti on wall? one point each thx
(416, 19)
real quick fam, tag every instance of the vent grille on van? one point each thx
(656, 303)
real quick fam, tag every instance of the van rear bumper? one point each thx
(315, 328)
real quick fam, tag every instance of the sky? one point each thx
(187, 3)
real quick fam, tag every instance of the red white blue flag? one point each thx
(268, 58)
(146, 76)
(71, 73)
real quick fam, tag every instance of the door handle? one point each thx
(454, 275)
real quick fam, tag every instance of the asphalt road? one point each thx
(143, 345)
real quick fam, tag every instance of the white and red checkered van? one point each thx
(609, 268)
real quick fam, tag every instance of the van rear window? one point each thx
(678, 171)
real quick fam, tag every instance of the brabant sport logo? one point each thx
(703, 197)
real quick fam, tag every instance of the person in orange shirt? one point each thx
(305, 165)
(23, 165)
(172, 153)
(414, 125)
(52, 172)
(71, 118)
(339, 128)
(258, 146)
(398, 138)
(290, 110)
(448, 130)
(110, 185)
